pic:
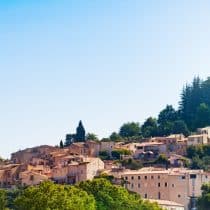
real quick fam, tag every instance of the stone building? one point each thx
(178, 184)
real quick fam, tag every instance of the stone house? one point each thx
(179, 185)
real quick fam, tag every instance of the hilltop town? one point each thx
(157, 168)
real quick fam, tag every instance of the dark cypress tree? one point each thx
(61, 144)
(80, 133)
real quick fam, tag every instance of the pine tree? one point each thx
(61, 144)
(80, 133)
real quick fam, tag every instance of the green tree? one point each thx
(162, 159)
(104, 155)
(61, 144)
(191, 97)
(3, 199)
(115, 137)
(130, 129)
(116, 154)
(149, 128)
(197, 163)
(109, 196)
(166, 119)
(202, 116)
(80, 133)
(205, 88)
(49, 196)
(203, 202)
(180, 127)
(92, 136)
(168, 114)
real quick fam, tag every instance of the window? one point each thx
(131, 185)
(166, 184)
(145, 177)
(31, 178)
(126, 178)
(139, 185)
(145, 195)
(158, 177)
(132, 177)
(172, 185)
(159, 184)
(139, 177)
(183, 177)
(192, 176)
(158, 195)
(152, 177)
(179, 196)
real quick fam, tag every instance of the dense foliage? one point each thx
(193, 113)
(98, 194)
(3, 200)
(200, 156)
(130, 129)
(195, 103)
(204, 200)
(110, 197)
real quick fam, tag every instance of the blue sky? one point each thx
(102, 61)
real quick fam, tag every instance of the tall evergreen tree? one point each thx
(61, 144)
(80, 133)
(205, 87)
(191, 98)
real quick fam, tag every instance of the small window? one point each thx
(192, 176)
(132, 178)
(183, 177)
(152, 177)
(158, 195)
(159, 184)
(139, 177)
(179, 196)
(158, 177)
(172, 185)
(145, 177)
(166, 184)
(126, 178)
(145, 195)
(31, 178)
(139, 185)
(132, 185)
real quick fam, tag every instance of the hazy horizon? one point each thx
(103, 62)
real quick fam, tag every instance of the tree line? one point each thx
(98, 194)
(193, 112)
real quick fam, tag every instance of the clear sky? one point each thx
(104, 62)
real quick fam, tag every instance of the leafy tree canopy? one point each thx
(49, 196)
(92, 136)
(130, 129)
(149, 128)
(115, 137)
(204, 200)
